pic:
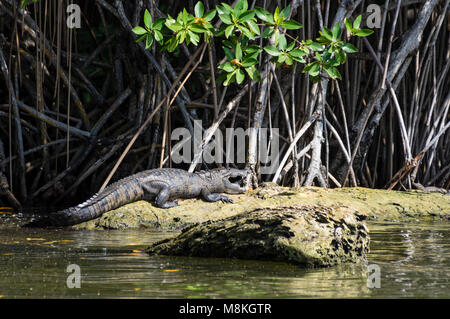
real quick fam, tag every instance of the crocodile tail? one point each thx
(66, 217)
(92, 208)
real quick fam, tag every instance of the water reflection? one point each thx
(413, 259)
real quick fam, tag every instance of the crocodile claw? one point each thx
(226, 199)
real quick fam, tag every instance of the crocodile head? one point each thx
(227, 180)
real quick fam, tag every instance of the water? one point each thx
(413, 260)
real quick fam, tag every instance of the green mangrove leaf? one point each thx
(337, 32)
(349, 48)
(285, 12)
(139, 30)
(210, 15)
(362, 32)
(238, 52)
(291, 25)
(240, 76)
(357, 22)
(253, 27)
(147, 19)
(229, 30)
(332, 72)
(229, 54)
(248, 62)
(149, 41)
(264, 15)
(267, 32)
(199, 9)
(348, 25)
(246, 16)
(227, 67)
(225, 18)
(273, 51)
(158, 24)
(158, 35)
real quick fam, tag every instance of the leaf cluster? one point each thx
(239, 31)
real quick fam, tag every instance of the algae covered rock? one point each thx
(377, 204)
(311, 236)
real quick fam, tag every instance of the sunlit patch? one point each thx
(6, 210)
(31, 239)
(65, 241)
(50, 242)
(136, 252)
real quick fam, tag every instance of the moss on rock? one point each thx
(377, 204)
(311, 236)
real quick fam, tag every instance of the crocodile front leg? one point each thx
(215, 197)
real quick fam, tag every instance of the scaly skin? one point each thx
(161, 185)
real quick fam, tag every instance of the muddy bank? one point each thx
(310, 236)
(376, 204)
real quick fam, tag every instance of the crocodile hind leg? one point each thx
(215, 197)
(159, 192)
(162, 197)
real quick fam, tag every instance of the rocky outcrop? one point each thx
(314, 226)
(377, 204)
(311, 236)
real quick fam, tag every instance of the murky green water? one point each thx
(413, 260)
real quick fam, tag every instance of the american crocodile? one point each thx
(161, 185)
